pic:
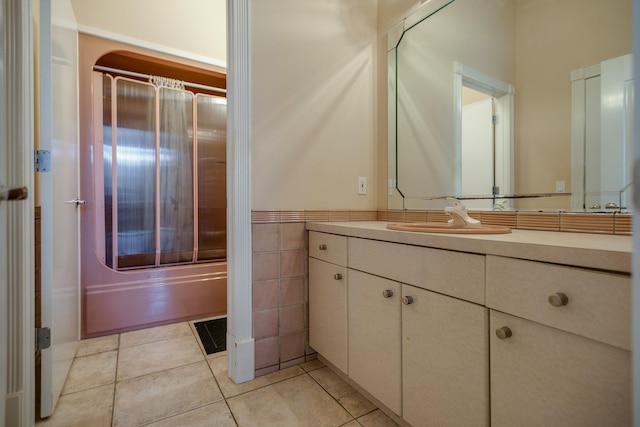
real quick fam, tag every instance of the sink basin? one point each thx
(439, 227)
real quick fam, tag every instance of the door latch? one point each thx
(76, 201)
(8, 194)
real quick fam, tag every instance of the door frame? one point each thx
(504, 135)
(240, 341)
(18, 116)
(4, 261)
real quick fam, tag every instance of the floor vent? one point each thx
(213, 334)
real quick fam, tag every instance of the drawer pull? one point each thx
(387, 293)
(407, 300)
(504, 332)
(558, 299)
(322, 247)
(337, 276)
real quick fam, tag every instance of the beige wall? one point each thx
(197, 27)
(313, 104)
(313, 88)
(552, 39)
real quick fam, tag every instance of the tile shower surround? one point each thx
(280, 291)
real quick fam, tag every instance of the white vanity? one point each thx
(524, 329)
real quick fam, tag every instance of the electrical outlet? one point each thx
(560, 187)
(362, 185)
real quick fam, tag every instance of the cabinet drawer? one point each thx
(457, 274)
(598, 303)
(541, 376)
(328, 247)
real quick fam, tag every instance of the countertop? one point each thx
(597, 251)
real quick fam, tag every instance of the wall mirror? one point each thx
(511, 98)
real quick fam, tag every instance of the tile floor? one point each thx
(162, 377)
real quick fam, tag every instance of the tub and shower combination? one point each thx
(153, 231)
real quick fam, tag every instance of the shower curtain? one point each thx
(176, 176)
(150, 174)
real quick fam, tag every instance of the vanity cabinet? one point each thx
(423, 354)
(507, 336)
(559, 345)
(328, 297)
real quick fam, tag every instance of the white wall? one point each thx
(194, 27)
(313, 103)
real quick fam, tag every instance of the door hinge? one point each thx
(43, 338)
(42, 160)
(495, 120)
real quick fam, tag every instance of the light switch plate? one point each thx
(362, 185)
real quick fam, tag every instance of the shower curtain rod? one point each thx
(146, 76)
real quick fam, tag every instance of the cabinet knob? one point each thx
(387, 293)
(337, 276)
(558, 299)
(407, 300)
(322, 247)
(504, 332)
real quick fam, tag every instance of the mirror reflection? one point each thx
(504, 97)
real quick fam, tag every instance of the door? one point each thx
(59, 195)
(478, 151)
(543, 376)
(445, 360)
(328, 311)
(602, 119)
(375, 337)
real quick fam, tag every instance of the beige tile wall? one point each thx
(280, 325)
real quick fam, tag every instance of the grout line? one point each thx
(269, 384)
(353, 418)
(186, 412)
(115, 382)
(230, 411)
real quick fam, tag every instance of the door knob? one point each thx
(407, 300)
(322, 247)
(337, 276)
(387, 293)
(10, 194)
(504, 332)
(558, 299)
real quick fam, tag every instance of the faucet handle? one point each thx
(459, 215)
(457, 204)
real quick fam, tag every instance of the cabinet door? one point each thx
(445, 354)
(374, 337)
(328, 311)
(541, 376)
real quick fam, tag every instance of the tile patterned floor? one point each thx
(162, 377)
